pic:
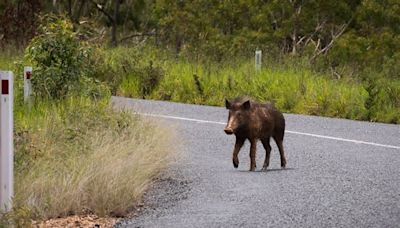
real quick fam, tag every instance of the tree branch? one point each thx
(334, 38)
(101, 9)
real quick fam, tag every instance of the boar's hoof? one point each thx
(264, 169)
(235, 162)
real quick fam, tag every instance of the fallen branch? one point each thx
(136, 35)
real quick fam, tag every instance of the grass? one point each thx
(79, 156)
(293, 87)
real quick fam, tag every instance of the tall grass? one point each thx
(293, 85)
(77, 156)
(292, 90)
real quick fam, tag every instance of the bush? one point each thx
(149, 79)
(384, 100)
(113, 65)
(134, 67)
(61, 61)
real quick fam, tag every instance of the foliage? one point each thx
(60, 61)
(344, 37)
(18, 22)
(290, 85)
(384, 100)
(149, 79)
(116, 65)
(77, 155)
(112, 65)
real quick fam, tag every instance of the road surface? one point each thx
(341, 173)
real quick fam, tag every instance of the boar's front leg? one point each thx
(253, 149)
(239, 143)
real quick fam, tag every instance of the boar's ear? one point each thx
(227, 104)
(246, 105)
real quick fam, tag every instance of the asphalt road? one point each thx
(340, 173)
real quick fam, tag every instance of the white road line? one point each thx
(287, 131)
(343, 139)
(180, 118)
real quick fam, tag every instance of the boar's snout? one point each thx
(228, 130)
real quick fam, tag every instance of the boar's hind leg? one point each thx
(279, 143)
(267, 148)
(239, 143)
(253, 149)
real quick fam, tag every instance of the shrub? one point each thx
(149, 79)
(384, 100)
(130, 69)
(113, 65)
(60, 60)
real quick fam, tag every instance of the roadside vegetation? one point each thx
(293, 90)
(79, 156)
(74, 154)
(292, 84)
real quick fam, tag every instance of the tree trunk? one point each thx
(70, 9)
(114, 41)
(78, 15)
(55, 9)
(294, 41)
(178, 43)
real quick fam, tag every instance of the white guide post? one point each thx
(27, 83)
(258, 59)
(6, 140)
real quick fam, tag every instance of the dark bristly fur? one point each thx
(254, 121)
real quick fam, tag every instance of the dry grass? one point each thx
(81, 158)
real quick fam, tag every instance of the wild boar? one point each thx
(254, 121)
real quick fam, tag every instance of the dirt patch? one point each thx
(77, 221)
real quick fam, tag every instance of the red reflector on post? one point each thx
(4, 87)
(28, 75)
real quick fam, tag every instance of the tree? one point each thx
(18, 21)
